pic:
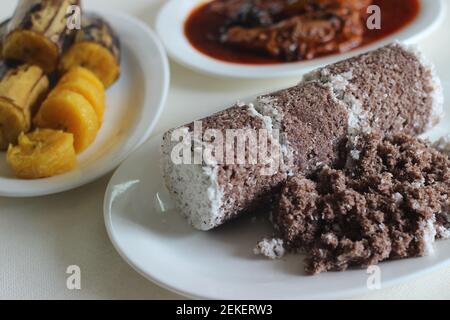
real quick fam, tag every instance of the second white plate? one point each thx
(220, 264)
(170, 27)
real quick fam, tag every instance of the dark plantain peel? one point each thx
(97, 48)
(38, 32)
(3, 27)
(22, 89)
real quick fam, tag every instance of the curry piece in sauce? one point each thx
(292, 30)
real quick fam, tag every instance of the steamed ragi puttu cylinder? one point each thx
(390, 90)
(22, 89)
(210, 193)
(387, 91)
(38, 32)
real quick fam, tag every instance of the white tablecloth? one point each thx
(41, 237)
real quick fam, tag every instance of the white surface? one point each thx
(41, 237)
(170, 26)
(134, 105)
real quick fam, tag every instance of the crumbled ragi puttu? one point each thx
(391, 200)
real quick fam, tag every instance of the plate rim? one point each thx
(75, 179)
(342, 294)
(225, 69)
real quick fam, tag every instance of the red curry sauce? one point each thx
(202, 28)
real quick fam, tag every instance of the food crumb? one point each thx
(270, 248)
(443, 144)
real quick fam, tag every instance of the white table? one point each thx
(41, 237)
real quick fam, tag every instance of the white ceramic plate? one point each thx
(170, 27)
(220, 264)
(134, 105)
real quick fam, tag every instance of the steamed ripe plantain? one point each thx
(97, 48)
(38, 32)
(71, 112)
(41, 154)
(22, 89)
(85, 87)
(80, 72)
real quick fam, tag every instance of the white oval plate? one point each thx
(134, 105)
(170, 27)
(220, 264)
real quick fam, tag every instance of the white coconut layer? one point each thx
(268, 106)
(358, 118)
(194, 188)
(429, 236)
(437, 95)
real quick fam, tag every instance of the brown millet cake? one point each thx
(390, 201)
(212, 193)
(383, 88)
(386, 91)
